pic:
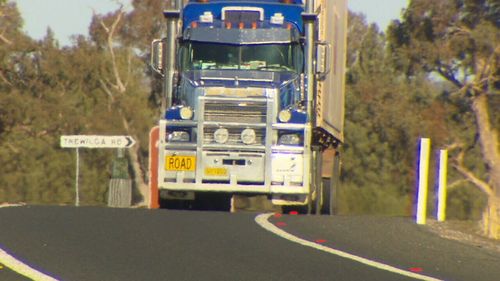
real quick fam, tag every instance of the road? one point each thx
(87, 243)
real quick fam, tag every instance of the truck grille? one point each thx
(232, 112)
(235, 112)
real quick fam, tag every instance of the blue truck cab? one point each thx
(237, 118)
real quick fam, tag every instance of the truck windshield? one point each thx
(269, 57)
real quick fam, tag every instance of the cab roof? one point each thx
(291, 12)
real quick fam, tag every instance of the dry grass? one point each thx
(469, 232)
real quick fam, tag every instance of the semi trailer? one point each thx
(253, 95)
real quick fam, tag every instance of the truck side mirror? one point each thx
(157, 63)
(323, 57)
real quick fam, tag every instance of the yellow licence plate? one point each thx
(180, 163)
(216, 171)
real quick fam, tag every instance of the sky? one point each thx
(70, 17)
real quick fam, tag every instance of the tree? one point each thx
(122, 81)
(31, 115)
(128, 35)
(459, 40)
(47, 91)
(375, 175)
(125, 38)
(11, 21)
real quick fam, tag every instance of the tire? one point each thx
(326, 192)
(330, 188)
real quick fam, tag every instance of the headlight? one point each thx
(178, 136)
(248, 136)
(186, 113)
(221, 135)
(289, 139)
(285, 115)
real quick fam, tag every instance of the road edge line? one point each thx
(18, 266)
(263, 221)
(9, 205)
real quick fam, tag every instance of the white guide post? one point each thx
(77, 189)
(423, 180)
(443, 181)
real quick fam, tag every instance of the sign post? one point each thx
(92, 141)
(77, 189)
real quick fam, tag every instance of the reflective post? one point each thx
(423, 180)
(443, 181)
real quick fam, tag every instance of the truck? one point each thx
(253, 96)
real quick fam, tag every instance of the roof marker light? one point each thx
(241, 25)
(194, 24)
(229, 25)
(207, 17)
(254, 25)
(277, 18)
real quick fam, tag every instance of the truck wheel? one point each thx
(327, 198)
(331, 187)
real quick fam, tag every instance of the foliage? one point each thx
(459, 40)
(385, 116)
(46, 92)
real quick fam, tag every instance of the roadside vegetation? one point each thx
(434, 73)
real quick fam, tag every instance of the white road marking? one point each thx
(263, 221)
(14, 264)
(18, 266)
(8, 205)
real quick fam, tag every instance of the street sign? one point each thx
(90, 141)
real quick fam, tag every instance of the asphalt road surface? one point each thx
(86, 243)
